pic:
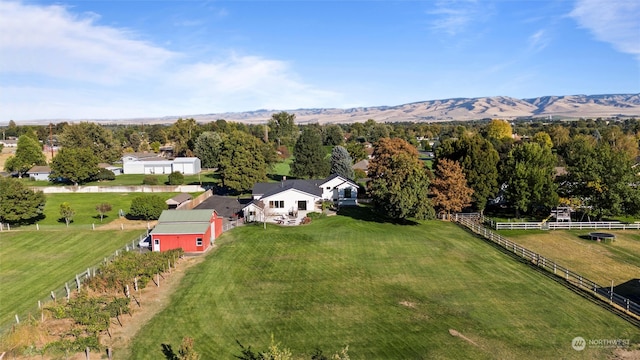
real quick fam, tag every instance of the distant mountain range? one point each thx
(459, 109)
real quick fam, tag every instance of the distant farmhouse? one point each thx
(146, 163)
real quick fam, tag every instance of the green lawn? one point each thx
(84, 205)
(388, 291)
(33, 263)
(600, 262)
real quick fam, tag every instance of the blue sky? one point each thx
(123, 59)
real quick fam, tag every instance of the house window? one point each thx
(302, 205)
(198, 241)
(277, 204)
(347, 193)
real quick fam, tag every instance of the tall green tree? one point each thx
(182, 134)
(356, 150)
(207, 148)
(399, 185)
(19, 204)
(28, 154)
(309, 156)
(341, 162)
(332, 135)
(529, 172)
(91, 136)
(479, 162)
(282, 128)
(76, 165)
(601, 176)
(241, 162)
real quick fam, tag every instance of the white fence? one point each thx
(563, 225)
(604, 293)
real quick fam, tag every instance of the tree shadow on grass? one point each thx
(629, 289)
(168, 352)
(367, 213)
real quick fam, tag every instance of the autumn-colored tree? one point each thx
(449, 189)
(499, 129)
(543, 139)
(102, 209)
(399, 185)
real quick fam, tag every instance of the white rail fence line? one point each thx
(563, 225)
(605, 293)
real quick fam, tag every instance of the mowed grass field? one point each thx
(600, 262)
(387, 291)
(84, 205)
(33, 263)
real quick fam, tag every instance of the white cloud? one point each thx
(455, 16)
(62, 65)
(51, 41)
(538, 41)
(615, 22)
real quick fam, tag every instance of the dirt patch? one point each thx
(152, 300)
(408, 304)
(459, 335)
(622, 354)
(126, 224)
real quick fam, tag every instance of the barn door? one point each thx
(156, 244)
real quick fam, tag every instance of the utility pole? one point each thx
(51, 138)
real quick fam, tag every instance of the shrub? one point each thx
(315, 215)
(147, 207)
(176, 178)
(104, 174)
(150, 180)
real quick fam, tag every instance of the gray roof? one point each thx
(226, 206)
(179, 199)
(39, 169)
(311, 187)
(185, 216)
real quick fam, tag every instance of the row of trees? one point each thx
(585, 163)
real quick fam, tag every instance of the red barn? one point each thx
(191, 230)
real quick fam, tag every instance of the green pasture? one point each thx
(85, 204)
(387, 291)
(617, 261)
(34, 263)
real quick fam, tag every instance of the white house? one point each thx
(154, 164)
(342, 191)
(39, 172)
(289, 200)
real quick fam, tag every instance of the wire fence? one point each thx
(603, 293)
(74, 284)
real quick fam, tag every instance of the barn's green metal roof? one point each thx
(180, 228)
(200, 215)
